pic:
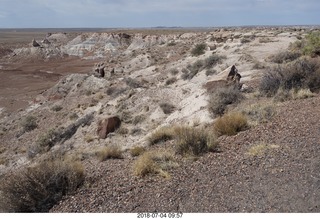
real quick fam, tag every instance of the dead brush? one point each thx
(38, 188)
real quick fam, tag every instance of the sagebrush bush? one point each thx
(167, 108)
(221, 98)
(109, 152)
(213, 60)
(29, 123)
(192, 70)
(312, 44)
(230, 124)
(193, 141)
(57, 108)
(171, 80)
(38, 188)
(299, 74)
(47, 140)
(199, 49)
(285, 56)
(211, 72)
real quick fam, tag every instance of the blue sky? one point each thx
(151, 13)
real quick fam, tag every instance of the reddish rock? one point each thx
(108, 125)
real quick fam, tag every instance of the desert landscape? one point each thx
(160, 120)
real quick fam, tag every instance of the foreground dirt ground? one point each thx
(273, 166)
(285, 178)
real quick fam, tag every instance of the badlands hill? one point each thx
(164, 152)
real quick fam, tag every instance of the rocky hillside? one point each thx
(152, 82)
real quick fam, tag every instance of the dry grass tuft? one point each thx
(260, 149)
(193, 141)
(260, 113)
(231, 124)
(137, 151)
(157, 162)
(109, 152)
(38, 188)
(161, 135)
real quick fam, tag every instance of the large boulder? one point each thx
(108, 125)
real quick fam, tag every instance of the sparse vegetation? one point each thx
(193, 141)
(109, 152)
(221, 98)
(29, 123)
(167, 108)
(46, 141)
(296, 75)
(155, 162)
(211, 72)
(174, 71)
(245, 40)
(172, 43)
(192, 70)
(161, 135)
(199, 49)
(265, 40)
(285, 56)
(213, 60)
(137, 151)
(171, 80)
(89, 138)
(56, 108)
(231, 124)
(133, 83)
(138, 119)
(260, 113)
(312, 44)
(38, 188)
(73, 116)
(260, 149)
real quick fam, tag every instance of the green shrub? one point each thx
(38, 188)
(312, 45)
(213, 60)
(199, 49)
(221, 98)
(192, 70)
(47, 140)
(56, 108)
(167, 108)
(231, 124)
(174, 71)
(193, 141)
(211, 72)
(29, 123)
(171, 80)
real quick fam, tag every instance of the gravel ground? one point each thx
(285, 178)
